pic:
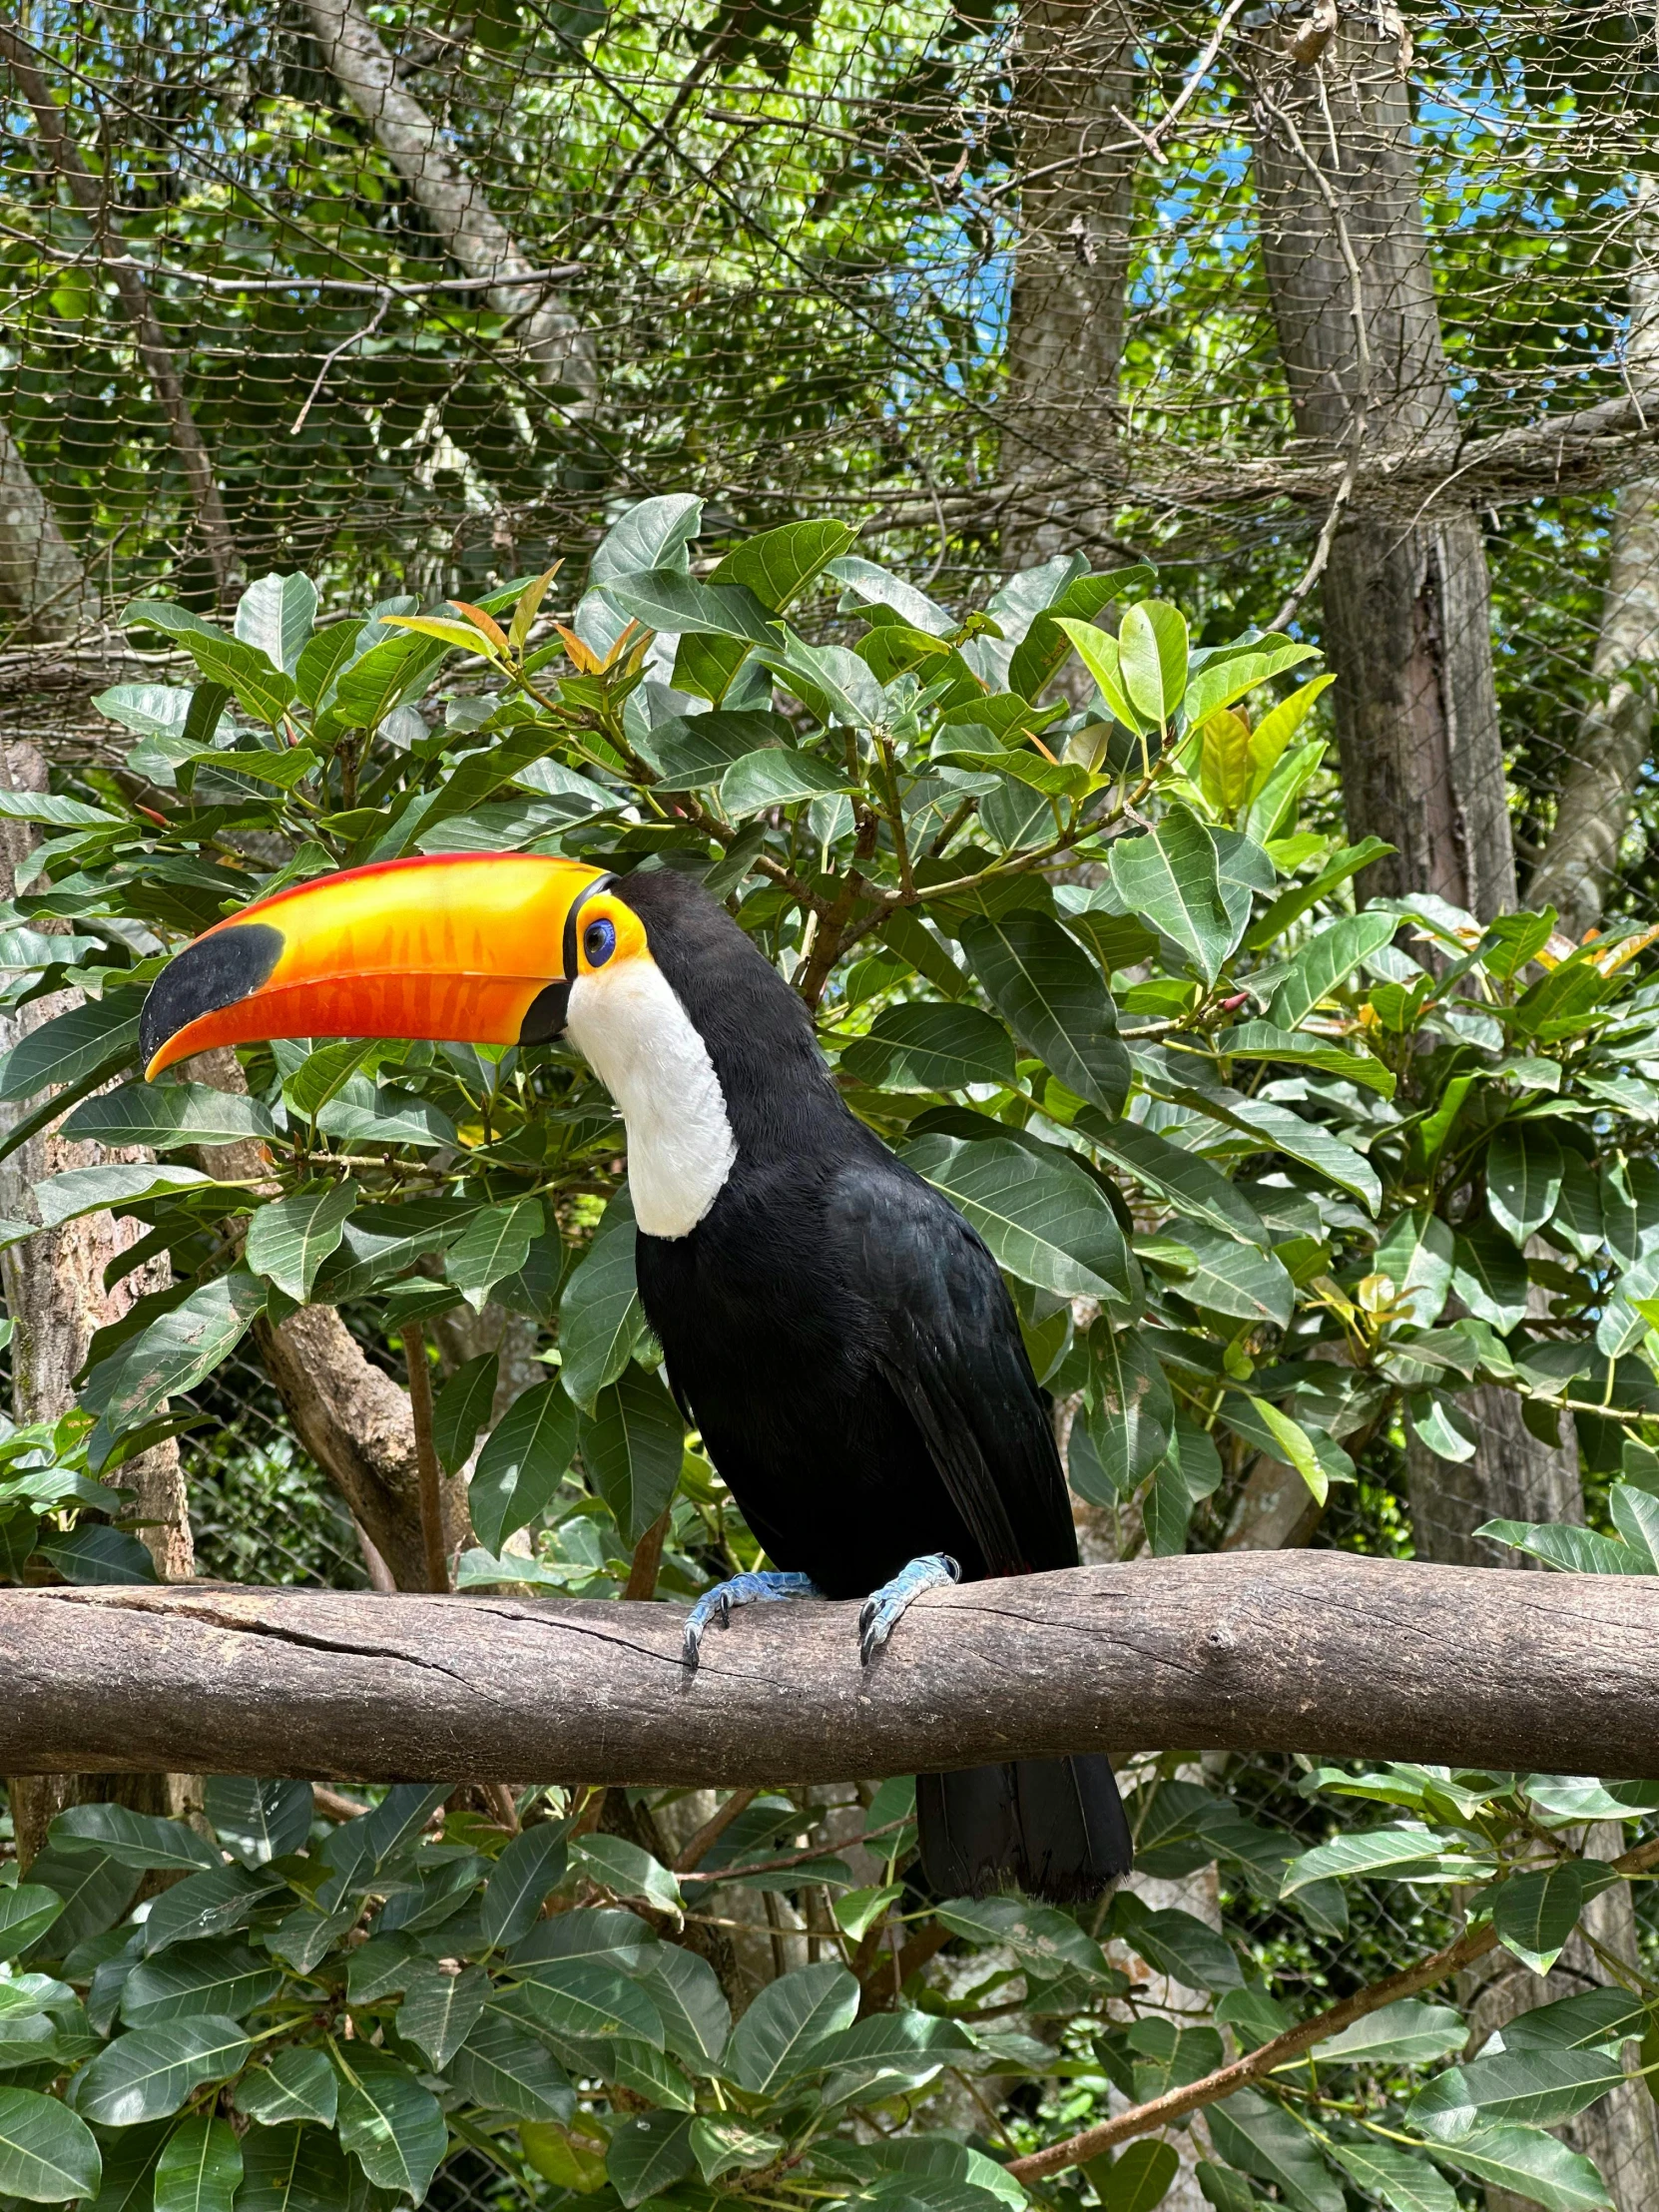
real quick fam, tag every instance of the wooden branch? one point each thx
(1311, 1651)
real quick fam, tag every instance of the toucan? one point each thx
(830, 1322)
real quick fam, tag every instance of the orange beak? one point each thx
(478, 949)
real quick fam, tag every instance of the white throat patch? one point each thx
(629, 1025)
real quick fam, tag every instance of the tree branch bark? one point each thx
(1315, 1651)
(42, 578)
(453, 200)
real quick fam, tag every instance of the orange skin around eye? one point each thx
(456, 945)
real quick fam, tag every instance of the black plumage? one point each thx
(848, 1349)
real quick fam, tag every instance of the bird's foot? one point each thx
(884, 1608)
(742, 1590)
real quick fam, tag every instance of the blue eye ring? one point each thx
(598, 942)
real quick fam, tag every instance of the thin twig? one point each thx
(426, 1456)
(713, 1828)
(368, 331)
(1175, 2104)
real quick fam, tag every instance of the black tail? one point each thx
(1053, 1828)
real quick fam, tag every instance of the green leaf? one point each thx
(461, 1409)
(391, 2126)
(1326, 961)
(203, 1904)
(293, 2169)
(653, 534)
(495, 1245)
(1261, 1040)
(878, 587)
(1371, 1850)
(1295, 1446)
(1524, 1166)
(633, 1449)
(1262, 2138)
(1170, 879)
(140, 1840)
(778, 565)
(95, 1893)
(628, 1872)
(1152, 654)
(440, 2010)
(298, 2085)
(26, 1913)
(502, 2067)
(1044, 1219)
(47, 2155)
(1532, 2165)
(1527, 2088)
(175, 1351)
(833, 683)
(1125, 1430)
(1405, 2183)
(274, 615)
(388, 675)
(648, 2155)
(1489, 1275)
(163, 1115)
(59, 814)
(325, 656)
(1291, 905)
(923, 1045)
(200, 2168)
(1417, 1257)
(221, 1976)
(1185, 1180)
(775, 777)
(1140, 2177)
(150, 2072)
(523, 1462)
(697, 2020)
(600, 1316)
(670, 600)
(259, 688)
(1534, 1914)
(129, 2159)
(532, 1864)
(1409, 2032)
(1284, 1131)
(99, 1035)
(1185, 1948)
(91, 1555)
(80, 1191)
(260, 1820)
(289, 1241)
(1224, 679)
(590, 2002)
(1050, 994)
(777, 2037)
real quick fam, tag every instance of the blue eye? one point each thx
(598, 943)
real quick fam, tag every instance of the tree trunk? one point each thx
(1581, 857)
(454, 201)
(1407, 606)
(90, 196)
(1066, 320)
(42, 581)
(55, 1296)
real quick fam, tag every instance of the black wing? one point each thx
(946, 1338)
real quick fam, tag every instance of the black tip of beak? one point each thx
(212, 972)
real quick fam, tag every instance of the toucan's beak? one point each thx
(479, 949)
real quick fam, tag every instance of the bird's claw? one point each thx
(742, 1590)
(884, 1608)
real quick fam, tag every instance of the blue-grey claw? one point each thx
(742, 1590)
(884, 1608)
